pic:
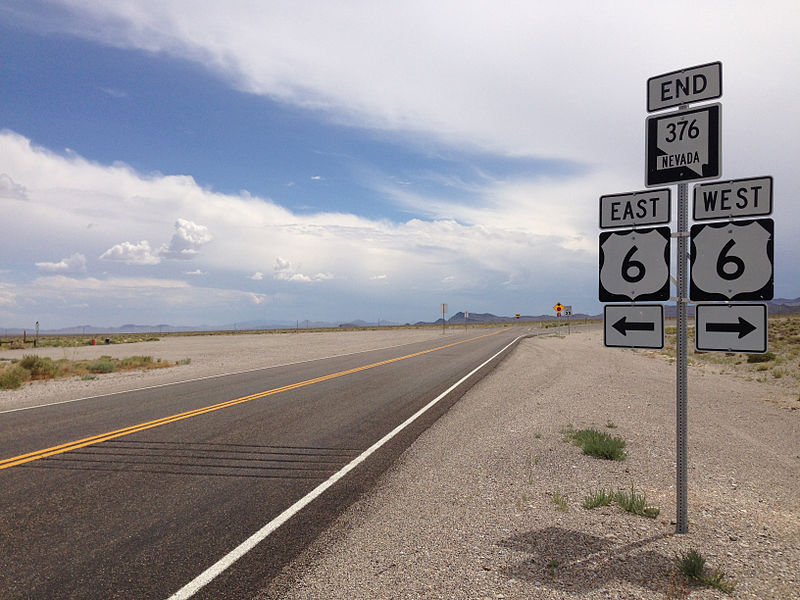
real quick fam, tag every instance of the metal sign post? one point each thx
(731, 261)
(682, 362)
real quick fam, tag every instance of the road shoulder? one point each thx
(468, 510)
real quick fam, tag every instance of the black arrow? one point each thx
(742, 327)
(624, 327)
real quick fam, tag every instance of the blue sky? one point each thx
(188, 163)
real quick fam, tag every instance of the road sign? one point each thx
(558, 307)
(732, 261)
(693, 84)
(733, 199)
(648, 207)
(634, 265)
(684, 146)
(567, 311)
(633, 325)
(731, 328)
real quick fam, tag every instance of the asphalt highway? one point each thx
(205, 489)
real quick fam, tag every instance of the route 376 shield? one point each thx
(634, 265)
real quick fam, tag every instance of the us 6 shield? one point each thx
(634, 265)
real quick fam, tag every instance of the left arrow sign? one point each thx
(633, 326)
(623, 326)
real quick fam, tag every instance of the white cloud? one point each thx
(378, 277)
(187, 240)
(131, 254)
(528, 78)
(113, 92)
(257, 298)
(196, 272)
(11, 190)
(7, 298)
(284, 270)
(257, 276)
(74, 264)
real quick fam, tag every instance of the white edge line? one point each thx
(160, 385)
(191, 588)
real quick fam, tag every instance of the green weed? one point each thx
(560, 500)
(692, 565)
(601, 497)
(636, 503)
(597, 443)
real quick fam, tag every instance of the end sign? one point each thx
(703, 82)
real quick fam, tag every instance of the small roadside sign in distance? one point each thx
(567, 311)
(732, 261)
(731, 328)
(683, 146)
(633, 326)
(648, 207)
(558, 307)
(634, 265)
(693, 84)
(733, 199)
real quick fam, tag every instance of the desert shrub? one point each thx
(11, 379)
(40, 367)
(102, 366)
(133, 362)
(761, 358)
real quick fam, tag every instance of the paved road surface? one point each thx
(135, 495)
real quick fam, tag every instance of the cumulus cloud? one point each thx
(11, 190)
(131, 254)
(187, 240)
(74, 264)
(284, 270)
(196, 272)
(257, 276)
(534, 234)
(8, 298)
(257, 298)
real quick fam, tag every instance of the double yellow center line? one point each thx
(103, 437)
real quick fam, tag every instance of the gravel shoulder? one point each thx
(468, 512)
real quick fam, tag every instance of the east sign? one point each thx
(647, 207)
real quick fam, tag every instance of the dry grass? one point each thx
(781, 365)
(14, 373)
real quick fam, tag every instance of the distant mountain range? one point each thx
(458, 318)
(779, 306)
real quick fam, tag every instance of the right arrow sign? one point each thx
(731, 328)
